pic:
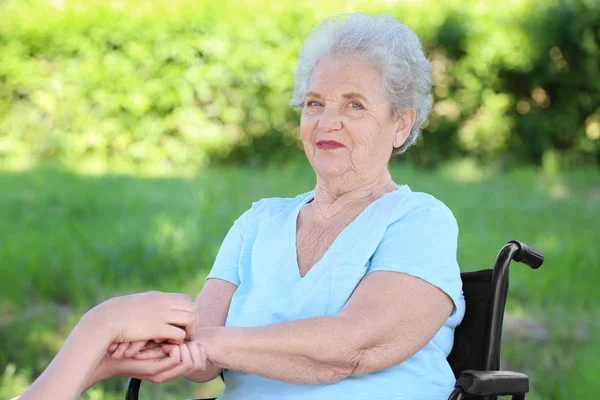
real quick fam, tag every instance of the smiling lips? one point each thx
(329, 145)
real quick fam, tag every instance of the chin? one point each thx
(331, 168)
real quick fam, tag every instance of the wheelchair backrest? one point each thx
(471, 341)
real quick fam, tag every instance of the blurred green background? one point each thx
(133, 133)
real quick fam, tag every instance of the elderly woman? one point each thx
(351, 290)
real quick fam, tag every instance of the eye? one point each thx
(313, 103)
(356, 105)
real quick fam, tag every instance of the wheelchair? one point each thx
(475, 356)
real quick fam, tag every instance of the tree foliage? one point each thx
(182, 82)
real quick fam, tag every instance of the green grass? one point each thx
(69, 240)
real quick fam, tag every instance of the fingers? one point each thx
(186, 357)
(182, 302)
(198, 354)
(180, 370)
(172, 333)
(184, 313)
(183, 319)
(182, 360)
(148, 354)
(190, 329)
(130, 349)
(175, 342)
(150, 315)
(142, 369)
(151, 344)
(134, 348)
(121, 349)
(175, 354)
(167, 348)
(113, 346)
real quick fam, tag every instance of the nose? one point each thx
(330, 120)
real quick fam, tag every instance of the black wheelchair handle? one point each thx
(133, 389)
(528, 255)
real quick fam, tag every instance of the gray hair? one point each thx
(384, 42)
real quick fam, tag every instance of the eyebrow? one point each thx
(348, 95)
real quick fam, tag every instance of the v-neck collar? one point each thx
(293, 226)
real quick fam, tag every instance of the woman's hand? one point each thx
(214, 301)
(161, 364)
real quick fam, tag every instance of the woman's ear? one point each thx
(406, 120)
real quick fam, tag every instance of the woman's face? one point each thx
(347, 124)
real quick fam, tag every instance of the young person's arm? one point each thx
(145, 316)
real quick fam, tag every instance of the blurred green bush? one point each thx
(183, 82)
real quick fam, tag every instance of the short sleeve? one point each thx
(226, 263)
(423, 243)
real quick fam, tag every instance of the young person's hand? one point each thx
(147, 316)
(130, 349)
(159, 364)
(136, 319)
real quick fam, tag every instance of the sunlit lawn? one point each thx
(69, 240)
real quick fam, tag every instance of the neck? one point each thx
(333, 195)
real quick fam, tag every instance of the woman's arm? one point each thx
(213, 306)
(389, 317)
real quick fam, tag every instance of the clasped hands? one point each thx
(158, 360)
(158, 343)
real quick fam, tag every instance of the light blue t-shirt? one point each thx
(402, 231)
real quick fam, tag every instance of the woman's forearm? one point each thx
(313, 350)
(212, 372)
(74, 367)
(213, 306)
(293, 369)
